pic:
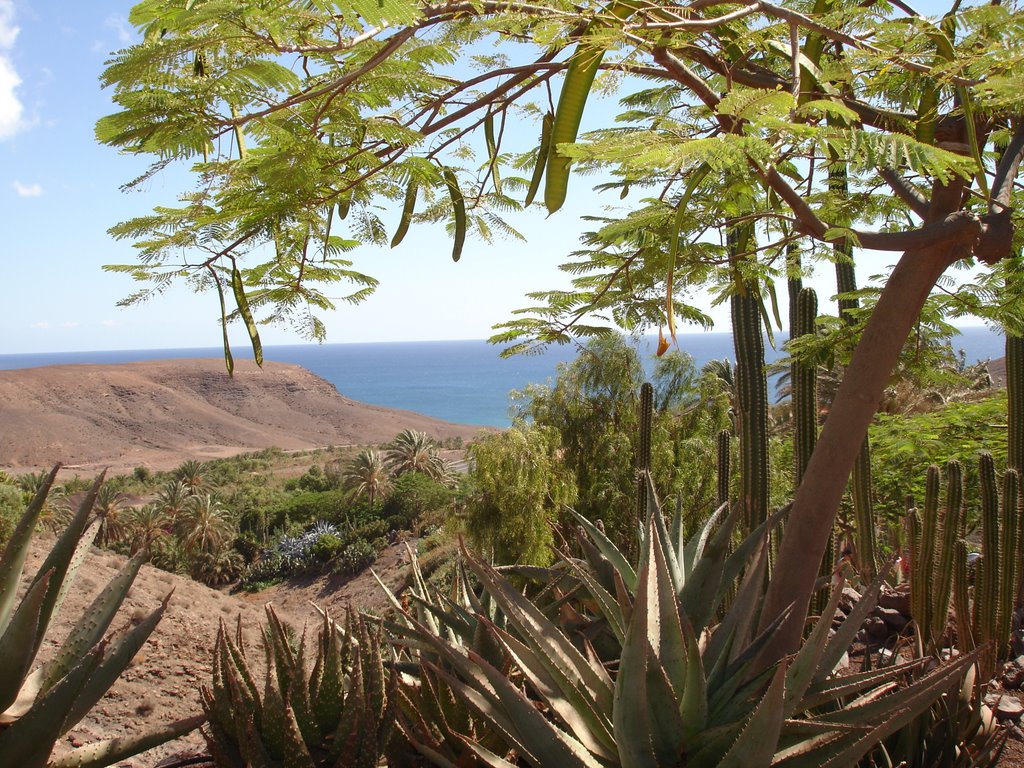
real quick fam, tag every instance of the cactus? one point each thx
(1015, 401)
(998, 576)
(804, 382)
(643, 459)
(339, 713)
(722, 445)
(933, 538)
(37, 709)
(751, 387)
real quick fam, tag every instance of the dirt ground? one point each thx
(162, 684)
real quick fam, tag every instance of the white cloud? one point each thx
(109, 323)
(10, 105)
(70, 324)
(7, 29)
(118, 23)
(41, 324)
(27, 190)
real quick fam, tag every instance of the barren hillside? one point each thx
(157, 413)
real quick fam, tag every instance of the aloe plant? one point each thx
(613, 663)
(40, 704)
(337, 713)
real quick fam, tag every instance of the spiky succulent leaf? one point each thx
(93, 622)
(12, 563)
(16, 643)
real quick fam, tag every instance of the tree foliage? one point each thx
(519, 489)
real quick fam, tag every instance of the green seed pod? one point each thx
(408, 208)
(458, 212)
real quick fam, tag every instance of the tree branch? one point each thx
(1006, 171)
(905, 191)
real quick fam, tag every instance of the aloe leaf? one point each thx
(736, 625)
(702, 591)
(647, 638)
(28, 741)
(111, 751)
(691, 553)
(16, 644)
(609, 550)
(693, 706)
(484, 701)
(756, 743)
(607, 604)
(836, 688)
(805, 665)
(117, 657)
(93, 622)
(12, 563)
(60, 558)
(77, 559)
(590, 726)
(841, 640)
(564, 660)
(550, 745)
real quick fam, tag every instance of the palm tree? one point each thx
(413, 451)
(148, 526)
(206, 525)
(173, 498)
(367, 475)
(111, 509)
(192, 474)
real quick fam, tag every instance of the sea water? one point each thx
(462, 381)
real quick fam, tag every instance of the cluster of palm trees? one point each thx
(185, 527)
(372, 471)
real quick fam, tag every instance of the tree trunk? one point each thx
(817, 499)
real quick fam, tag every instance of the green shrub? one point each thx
(326, 547)
(356, 557)
(304, 508)
(415, 497)
(12, 507)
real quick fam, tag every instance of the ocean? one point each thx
(461, 381)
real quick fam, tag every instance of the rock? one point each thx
(896, 600)
(892, 617)
(1009, 708)
(1013, 674)
(877, 628)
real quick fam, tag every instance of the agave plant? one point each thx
(339, 713)
(38, 706)
(619, 664)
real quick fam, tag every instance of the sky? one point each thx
(59, 194)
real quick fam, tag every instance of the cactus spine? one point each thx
(986, 580)
(950, 525)
(751, 386)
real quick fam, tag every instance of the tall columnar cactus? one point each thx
(998, 579)
(643, 456)
(751, 386)
(804, 382)
(723, 444)
(1015, 401)
(39, 706)
(933, 534)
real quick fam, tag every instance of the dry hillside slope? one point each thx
(158, 413)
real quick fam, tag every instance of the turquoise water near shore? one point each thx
(461, 381)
